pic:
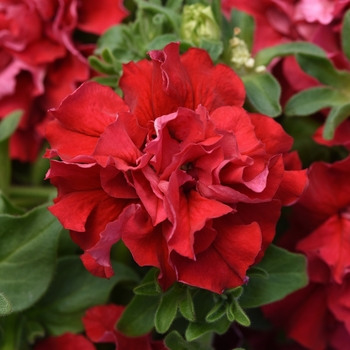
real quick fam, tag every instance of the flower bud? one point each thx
(198, 23)
(240, 55)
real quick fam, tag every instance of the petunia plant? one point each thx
(174, 175)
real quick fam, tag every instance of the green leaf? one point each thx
(287, 273)
(246, 24)
(33, 331)
(197, 329)
(159, 42)
(312, 100)
(237, 291)
(149, 288)
(28, 258)
(257, 271)
(214, 48)
(5, 305)
(336, 116)
(264, 57)
(323, 70)
(111, 81)
(7, 127)
(174, 341)
(240, 315)
(203, 304)
(167, 310)
(101, 66)
(72, 292)
(7, 207)
(216, 312)
(9, 124)
(175, 5)
(217, 12)
(229, 313)
(263, 93)
(345, 35)
(138, 317)
(186, 306)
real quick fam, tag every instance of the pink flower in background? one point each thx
(40, 63)
(319, 315)
(191, 182)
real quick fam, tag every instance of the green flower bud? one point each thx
(198, 23)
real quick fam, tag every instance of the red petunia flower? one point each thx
(39, 56)
(191, 182)
(99, 323)
(66, 341)
(319, 315)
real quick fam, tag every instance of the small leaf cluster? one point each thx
(187, 314)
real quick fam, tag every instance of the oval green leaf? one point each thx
(28, 258)
(286, 274)
(263, 93)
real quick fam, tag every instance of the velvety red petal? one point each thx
(331, 243)
(327, 194)
(101, 107)
(62, 78)
(213, 86)
(339, 302)
(94, 17)
(116, 183)
(136, 83)
(341, 135)
(340, 338)
(148, 247)
(292, 186)
(188, 213)
(67, 341)
(224, 264)
(94, 268)
(108, 151)
(91, 209)
(149, 194)
(304, 316)
(99, 322)
(266, 215)
(237, 120)
(276, 140)
(170, 81)
(110, 235)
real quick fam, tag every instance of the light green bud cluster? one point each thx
(240, 55)
(198, 23)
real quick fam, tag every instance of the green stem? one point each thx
(11, 332)
(27, 197)
(42, 192)
(5, 174)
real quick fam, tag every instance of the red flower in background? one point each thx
(191, 182)
(99, 323)
(319, 315)
(40, 63)
(66, 341)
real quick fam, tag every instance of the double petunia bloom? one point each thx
(191, 182)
